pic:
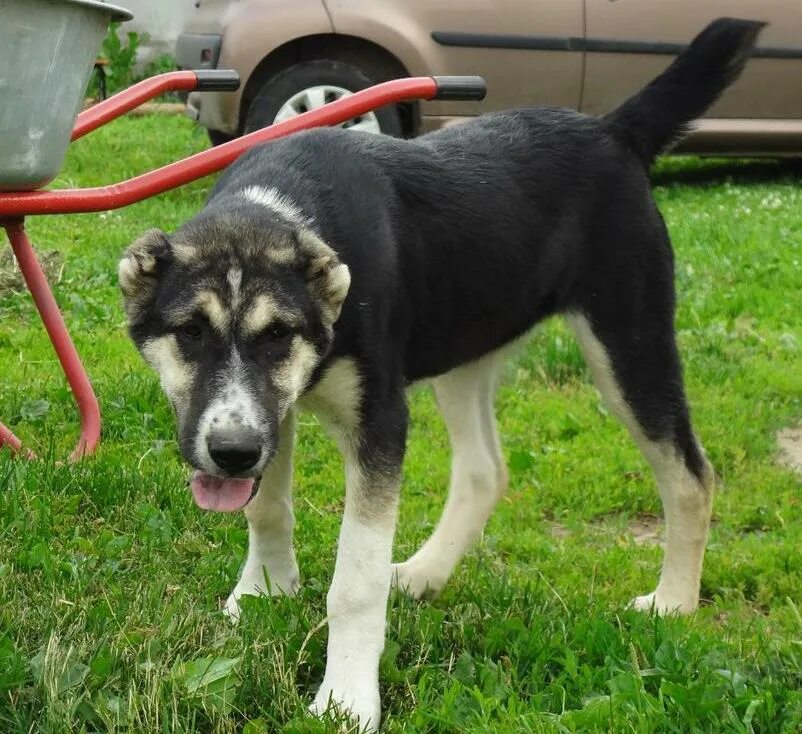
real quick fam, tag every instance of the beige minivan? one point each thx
(590, 55)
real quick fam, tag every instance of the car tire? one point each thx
(217, 137)
(289, 91)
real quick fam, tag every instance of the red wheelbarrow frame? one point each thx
(14, 207)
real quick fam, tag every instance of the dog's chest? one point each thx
(336, 398)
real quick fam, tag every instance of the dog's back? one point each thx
(502, 220)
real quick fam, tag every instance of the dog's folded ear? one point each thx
(328, 279)
(140, 268)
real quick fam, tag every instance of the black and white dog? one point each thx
(332, 269)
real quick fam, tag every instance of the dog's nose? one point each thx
(234, 452)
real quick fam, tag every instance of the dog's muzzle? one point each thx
(235, 452)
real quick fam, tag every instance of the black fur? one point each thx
(460, 241)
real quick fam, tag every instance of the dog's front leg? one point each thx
(270, 567)
(357, 599)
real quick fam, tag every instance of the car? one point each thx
(584, 54)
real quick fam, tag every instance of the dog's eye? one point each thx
(278, 331)
(191, 331)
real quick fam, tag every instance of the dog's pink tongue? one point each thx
(220, 494)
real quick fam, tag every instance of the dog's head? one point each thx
(234, 313)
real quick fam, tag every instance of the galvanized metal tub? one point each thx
(47, 52)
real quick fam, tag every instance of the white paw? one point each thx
(251, 586)
(662, 604)
(231, 608)
(418, 579)
(360, 703)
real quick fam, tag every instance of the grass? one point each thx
(110, 578)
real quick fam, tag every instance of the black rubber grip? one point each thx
(468, 88)
(217, 80)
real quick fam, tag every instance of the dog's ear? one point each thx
(327, 278)
(140, 267)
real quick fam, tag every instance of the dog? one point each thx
(330, 270)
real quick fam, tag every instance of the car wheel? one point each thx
(312, 84)
(216, 137)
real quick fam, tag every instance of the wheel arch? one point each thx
(374, 60)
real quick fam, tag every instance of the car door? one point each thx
(528, 51)
(629, 42)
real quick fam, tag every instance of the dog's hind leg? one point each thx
(270, 567)
(632, 355)
(478, 474)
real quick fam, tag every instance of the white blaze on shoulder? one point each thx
(273, 199)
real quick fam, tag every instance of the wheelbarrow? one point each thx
(16, 205)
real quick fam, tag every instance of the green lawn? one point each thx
(111, 578)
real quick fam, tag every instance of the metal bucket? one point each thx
(47, 52)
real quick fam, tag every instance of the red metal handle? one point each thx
(7, 438)
(129, 99)
(203, 80)
(59, 336)
(102, 198)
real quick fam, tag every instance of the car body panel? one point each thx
(612, 77)
(585, 54)
(409, 29)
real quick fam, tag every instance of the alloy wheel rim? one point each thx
(313, 98)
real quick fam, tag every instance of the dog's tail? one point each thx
(659, 114)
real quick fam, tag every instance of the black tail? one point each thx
(659, 114)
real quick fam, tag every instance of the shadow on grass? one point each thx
(711, 171)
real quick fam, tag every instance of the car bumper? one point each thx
(197, 51)
(743, 137)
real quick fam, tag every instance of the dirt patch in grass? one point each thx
(558, 530)
(789, 441)
(11, 280)
(644, 529)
